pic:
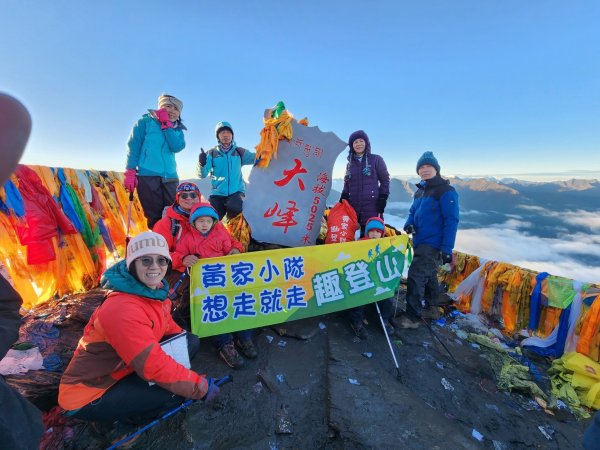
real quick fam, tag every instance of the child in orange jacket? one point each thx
(208, 239)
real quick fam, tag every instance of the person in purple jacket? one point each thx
(367, 181)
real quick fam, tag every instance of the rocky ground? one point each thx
(326, 389)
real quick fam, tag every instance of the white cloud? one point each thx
(578, 217)
(534, 208)
(587, 219)
(541, 254)
(471, 212)
(513, 224)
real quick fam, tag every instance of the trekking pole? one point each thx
(389, 343)
(127, 237)
(439, 340)
(219, 382)
(173, 291)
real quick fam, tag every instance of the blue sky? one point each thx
(492, 87)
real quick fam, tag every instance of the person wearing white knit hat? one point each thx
(120, 352)
(151, 166)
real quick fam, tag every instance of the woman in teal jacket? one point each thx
(151, 166)
(224, 162)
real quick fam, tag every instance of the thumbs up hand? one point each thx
(202, 158)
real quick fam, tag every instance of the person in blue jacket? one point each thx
(224, 164)
(433, 222)
(151, 166)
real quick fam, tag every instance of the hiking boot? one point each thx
(389, 329)
(230, 355)
(247, 348)
(433, 313)
(404, 322)
(359, 330)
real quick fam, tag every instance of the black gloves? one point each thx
(410, 229)
(344, 196)
(381, 202)
(446, 257)
(202, 158)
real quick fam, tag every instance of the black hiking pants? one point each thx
(132, 399)
(231, 205)
(155, 194)
(422, 282)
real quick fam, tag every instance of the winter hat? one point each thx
(166, 99)
(375, 223)
(147, 243)
(360, 134)
(428, 158)
(186, 187)
(222, 126)
(202, 210)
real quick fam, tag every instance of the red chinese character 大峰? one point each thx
(290, 173)
(286, 218)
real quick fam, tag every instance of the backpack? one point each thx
(215, 151)
(175, 228)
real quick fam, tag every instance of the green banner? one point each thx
(252, 290)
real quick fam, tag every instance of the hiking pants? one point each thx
(422, 280)
(222, 339)
(133, 399)
(232, 204)
(155, 194)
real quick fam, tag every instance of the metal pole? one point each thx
(184, 405)
(389, 342)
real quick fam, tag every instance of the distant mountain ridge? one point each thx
(553, 210)
(505, 195)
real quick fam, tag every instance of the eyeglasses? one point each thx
(147, 261)
(191, 195)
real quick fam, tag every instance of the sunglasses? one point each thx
(191, 195)
(147, 261)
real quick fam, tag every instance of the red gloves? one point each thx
(130, 179)
(163, 118)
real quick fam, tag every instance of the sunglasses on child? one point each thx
(147, 261)
(191, 195)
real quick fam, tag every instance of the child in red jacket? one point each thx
(374, 229)
(208, 239)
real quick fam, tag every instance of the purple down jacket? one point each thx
(366, 180)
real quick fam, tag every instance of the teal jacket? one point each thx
(226, 169)
(152, 151)
(118, 278)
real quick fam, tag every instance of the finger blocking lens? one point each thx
(191, 195)
(147, 261)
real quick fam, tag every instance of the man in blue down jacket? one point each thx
(432, 221)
